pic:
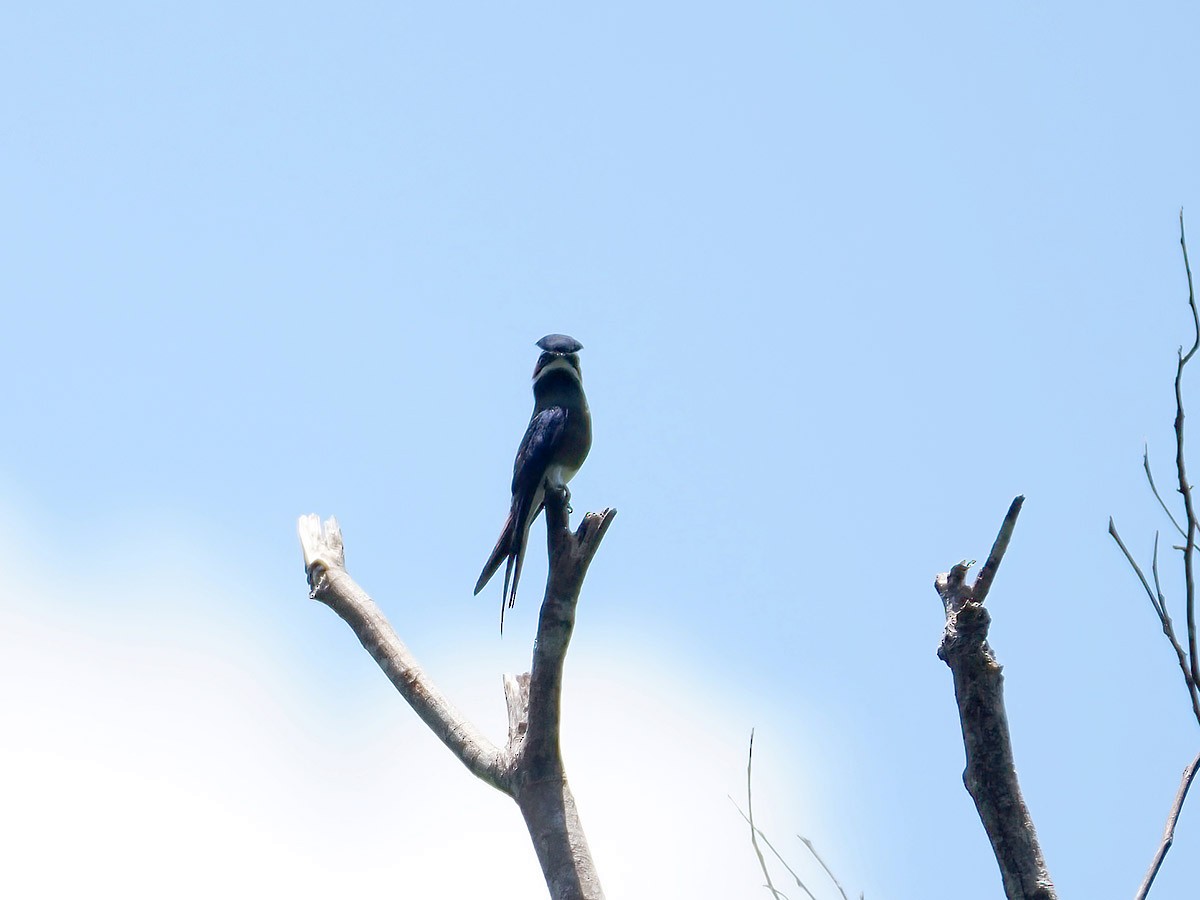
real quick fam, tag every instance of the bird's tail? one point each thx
(501, 552)
(517, 559)
(508, 571)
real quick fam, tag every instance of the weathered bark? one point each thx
(539, 781)
(991, 774)
(530, 768)
(562, 850)
(337, 590)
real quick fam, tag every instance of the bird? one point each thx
(554, 447)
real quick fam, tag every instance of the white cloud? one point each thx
(149, 754)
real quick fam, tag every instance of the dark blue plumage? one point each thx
(555, 444)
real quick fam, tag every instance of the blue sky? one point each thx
(848, 277)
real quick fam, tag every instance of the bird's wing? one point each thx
(537, 449)
(533, 456)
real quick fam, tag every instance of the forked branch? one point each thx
(1188, 659)
(529, 768)
(991, 774)
(1185, 487)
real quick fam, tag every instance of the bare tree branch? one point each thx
(1157, 495)
(991, 775)
(755, 832)
(1189, 663)
(1168, 837)
(1188, 660)
(539, 780)
(1158, 592)
(779, 856)
(1185, 487)
(529, 769)
(324, 560)
(828, 871)
(1154, 600)
(983, 583)
(1160, 608)
(516, 697)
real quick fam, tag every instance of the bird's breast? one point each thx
(558, 475)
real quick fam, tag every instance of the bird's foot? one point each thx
(563, 491)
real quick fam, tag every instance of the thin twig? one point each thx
(1187, 267)
(1185, 486)
(1164, 619)
(983, 581)
(750, 818)
(771, 847)
(1112, 529)
(1161, 605)
(1168, 837)
(1157, 496)
(828, 871)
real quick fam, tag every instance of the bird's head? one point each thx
(560, 352)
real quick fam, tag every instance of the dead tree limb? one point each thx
(537, 776)
(529, 768)
(1158, 601)
(1185, 486)
(1189, 662)
(1168, 838)
(991, 774)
